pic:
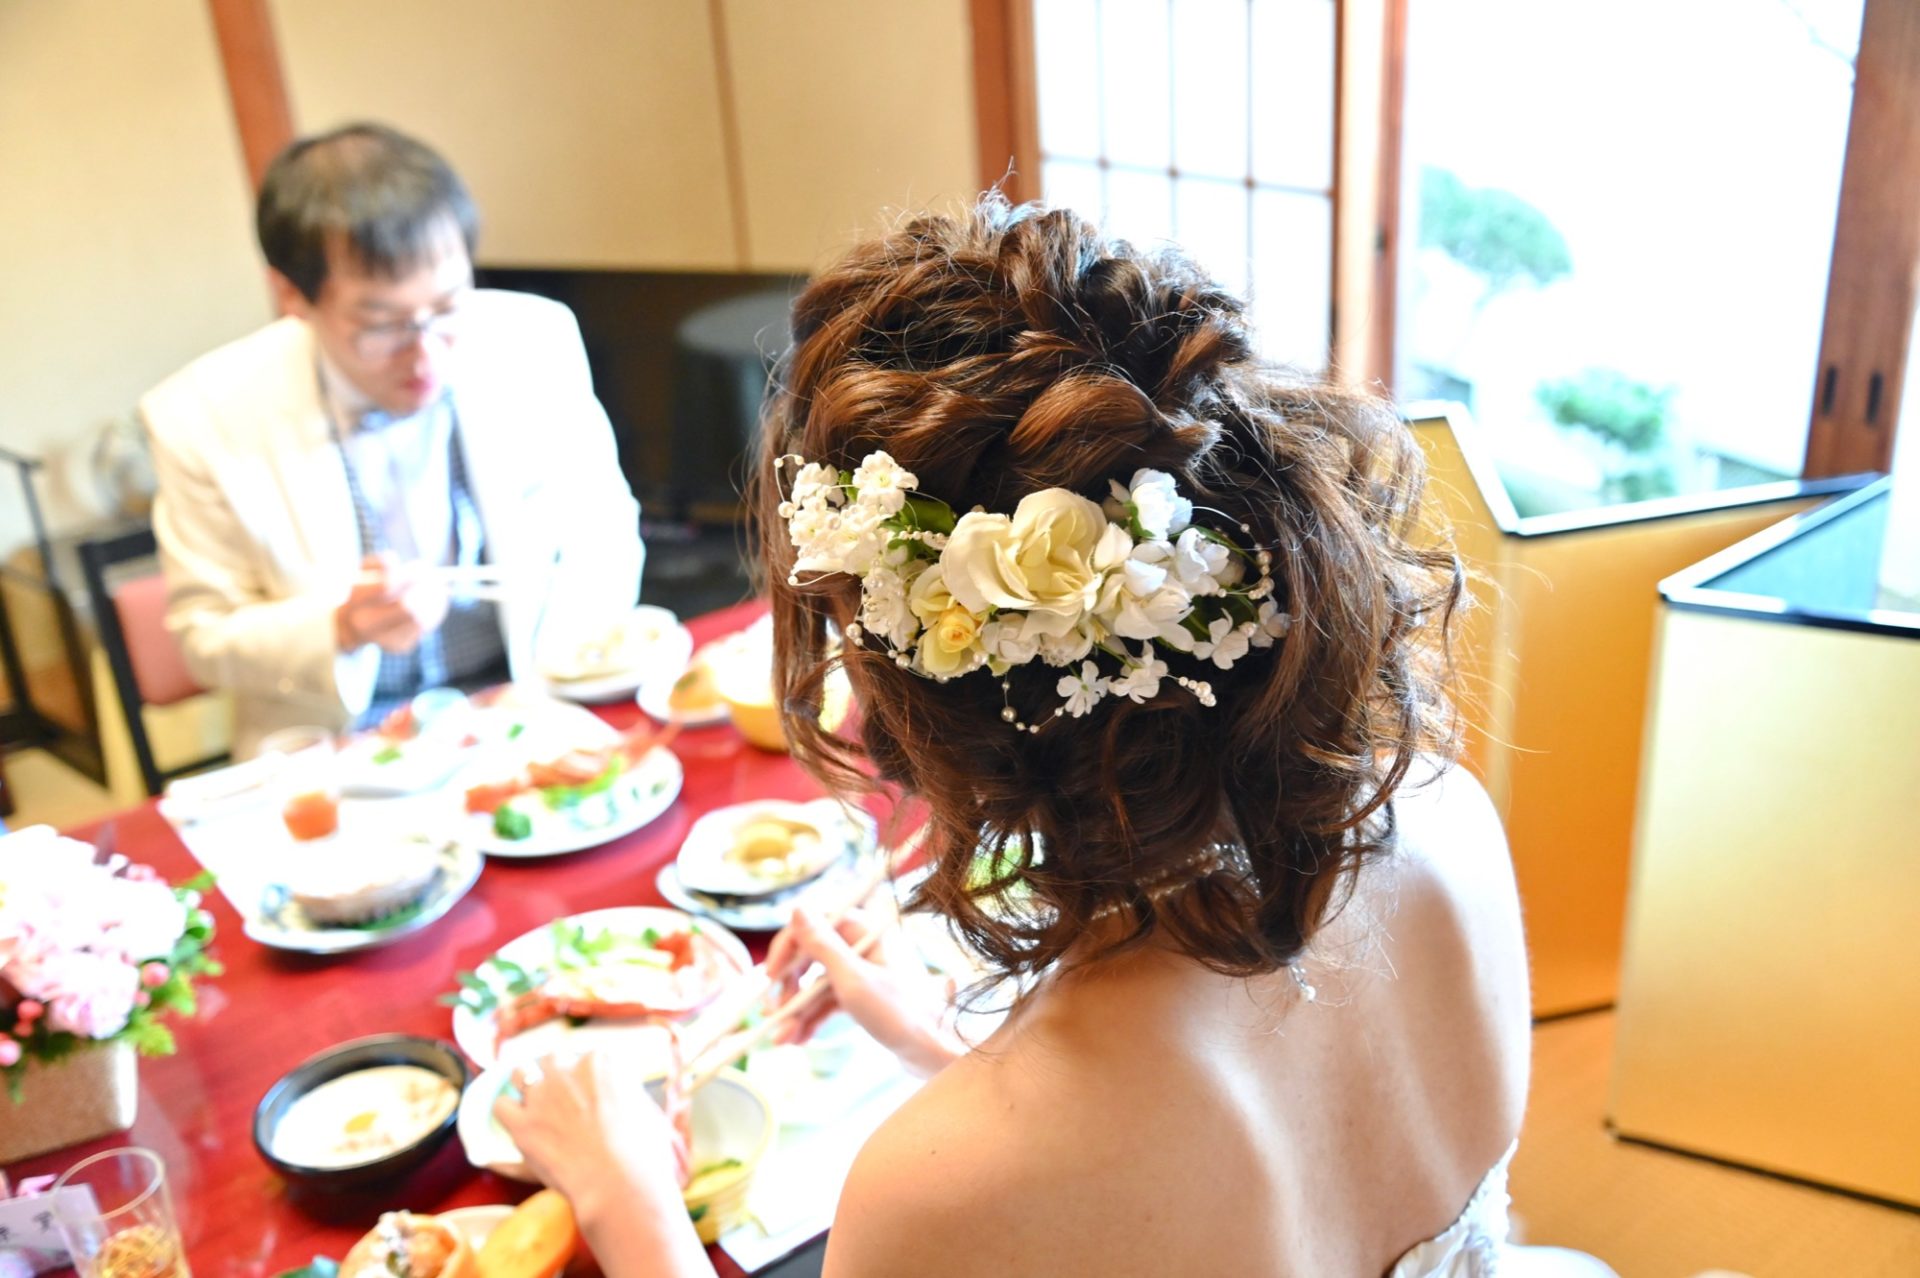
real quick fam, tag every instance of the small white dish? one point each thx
(827, 829)
(643, 647)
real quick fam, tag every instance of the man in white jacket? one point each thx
(318, 477)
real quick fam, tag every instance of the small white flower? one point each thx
(884, 609)
(879, 473)
(1006, 643)
(817, 483)
(1082, 691)
(1157, 503)
(1272, 624)
(1199, 563)
(1140, 600)
(1064, 650)
(1225, 643)
(1142, 681)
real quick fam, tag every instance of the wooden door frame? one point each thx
(1006, 97)
(1868, 328)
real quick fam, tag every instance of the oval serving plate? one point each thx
(640, 795)
(281, 925)
(476, 1033)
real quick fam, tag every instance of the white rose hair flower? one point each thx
(1062, 580)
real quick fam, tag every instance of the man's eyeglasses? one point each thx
(383, 341)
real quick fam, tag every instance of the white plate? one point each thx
(728, 1122)
(702, 864)
(476, 1224)
(532, 950)
(652, 700)
(636, 797)
(281, 925)
(486, 1143)
(430, 760)
(667, 651)
(844, 883)
(423, 763)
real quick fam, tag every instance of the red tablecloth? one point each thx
(271, 1010)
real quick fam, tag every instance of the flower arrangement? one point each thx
(93, 949)
(1063, 580)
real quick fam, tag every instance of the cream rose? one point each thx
(950, 645)
(929, 596)
(1047, 561)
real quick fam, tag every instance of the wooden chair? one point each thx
(130, 618)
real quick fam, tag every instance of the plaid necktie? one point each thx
(467, 648)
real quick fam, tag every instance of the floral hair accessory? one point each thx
(1062, 580)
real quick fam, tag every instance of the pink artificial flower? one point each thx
(29, 1010)
(9, 1052)
(154, 975)
(91, 995)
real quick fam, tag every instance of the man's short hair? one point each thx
(385, 196)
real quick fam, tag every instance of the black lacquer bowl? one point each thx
(347, 1058)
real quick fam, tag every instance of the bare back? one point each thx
(1152, 1117)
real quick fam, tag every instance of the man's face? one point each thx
(392, 338)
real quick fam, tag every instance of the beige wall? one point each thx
(589, 131)
(126, 244)
(850, 111)
(594, 132)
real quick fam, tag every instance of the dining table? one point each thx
(271, 1009)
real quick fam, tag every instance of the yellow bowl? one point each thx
(750, 703)
(732, 1123)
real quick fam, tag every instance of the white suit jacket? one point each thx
(256, 523)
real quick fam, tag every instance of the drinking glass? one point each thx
(122, 1226)
(306, 780)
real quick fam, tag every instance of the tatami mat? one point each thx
(1654, 1214)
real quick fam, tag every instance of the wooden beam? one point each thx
(250, 56)
(1383, 328)
(1006, 100)
(1876, 252)
(730, 135)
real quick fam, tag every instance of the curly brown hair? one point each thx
(1006, 350)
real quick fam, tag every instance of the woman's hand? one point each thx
(586, 1121)
(892, 995)
(588, 1128)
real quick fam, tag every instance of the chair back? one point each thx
(129, 614)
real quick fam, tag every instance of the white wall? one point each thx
(126, 243)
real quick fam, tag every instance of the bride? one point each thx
(1153, 633)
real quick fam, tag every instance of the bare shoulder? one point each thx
(926, 1180)
(1447, 824)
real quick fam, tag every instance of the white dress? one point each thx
(1475, 1245)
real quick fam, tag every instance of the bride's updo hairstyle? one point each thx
(1007, 350)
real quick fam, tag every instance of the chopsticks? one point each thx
(726, 1050)
(480, 582)
(706, 1063)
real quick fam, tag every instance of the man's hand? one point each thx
(391, 604)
